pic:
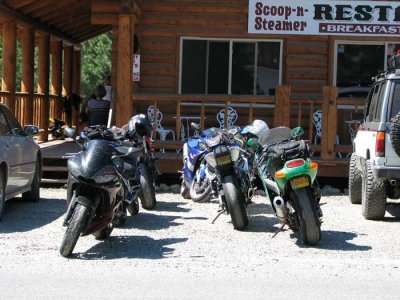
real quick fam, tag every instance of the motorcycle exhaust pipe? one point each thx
(271, 185)
(280, 208)
(393, 182)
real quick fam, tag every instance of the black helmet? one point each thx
(139, 124)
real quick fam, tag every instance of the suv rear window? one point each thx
(395, 107)
(374, 107)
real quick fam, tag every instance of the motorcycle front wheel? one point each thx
(147, 193)
(75, 227)
(235, 201)
(200, 191)
(309, 224)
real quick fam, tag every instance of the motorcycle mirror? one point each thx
(297, 131)
(195, 126)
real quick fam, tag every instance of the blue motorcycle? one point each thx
(197, 177)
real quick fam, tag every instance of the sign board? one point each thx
(313, 17)
(136, 67)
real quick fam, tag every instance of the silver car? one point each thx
(20, 160)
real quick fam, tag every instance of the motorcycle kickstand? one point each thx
(220, 213)
(279, 230)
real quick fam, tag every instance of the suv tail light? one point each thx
(380, 144)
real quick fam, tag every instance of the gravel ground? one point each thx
(175, 252)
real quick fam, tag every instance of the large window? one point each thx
(230, 66)
(357, 63)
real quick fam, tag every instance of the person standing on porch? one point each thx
(96, 109)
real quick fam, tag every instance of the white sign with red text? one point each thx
(311, 17)
(136, 67)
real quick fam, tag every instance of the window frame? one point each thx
(231, 41)
(358, 42)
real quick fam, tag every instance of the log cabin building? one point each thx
(295, 63)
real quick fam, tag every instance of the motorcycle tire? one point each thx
(103, 233)
(147, 193)
(203, 195)
(235, 201)
(75, 227)
(119, 218)
(185, 191)
(306, 210)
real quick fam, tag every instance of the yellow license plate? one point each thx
(299, 182)
(223, 160)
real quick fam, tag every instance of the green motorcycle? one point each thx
(289, 179)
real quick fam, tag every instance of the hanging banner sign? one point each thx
(136, 67)
(311, 17)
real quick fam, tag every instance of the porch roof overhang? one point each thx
(69, 20)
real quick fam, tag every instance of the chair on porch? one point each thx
(157, 119)
(231, 115)
(317, 120)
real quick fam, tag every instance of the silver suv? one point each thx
(374, 173)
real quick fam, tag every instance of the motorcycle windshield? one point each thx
(274, 136)
(96, 156)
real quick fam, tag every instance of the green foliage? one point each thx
(96, 63)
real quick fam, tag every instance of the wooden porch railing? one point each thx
(281, 110)
(37, 113)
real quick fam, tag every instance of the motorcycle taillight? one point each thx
(295, 163)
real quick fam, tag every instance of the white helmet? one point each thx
(256, 127)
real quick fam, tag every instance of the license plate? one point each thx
(223, 160)
(299, 182)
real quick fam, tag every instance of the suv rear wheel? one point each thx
(373, 194)
(355, 181)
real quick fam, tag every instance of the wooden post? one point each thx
(76, 84)
(56, 76)
(43, 85)
(329, 123)
(67, 83)
(27, 82)
(282, 106)
(178, 120)
(9, 62)
(124, 72)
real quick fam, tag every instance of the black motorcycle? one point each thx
(105, 179)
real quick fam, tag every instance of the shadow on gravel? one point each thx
(261, 218)
(393, 208)
(148, 221)
(335, 240)
(143, 247)
(171, 206)
(22, 216)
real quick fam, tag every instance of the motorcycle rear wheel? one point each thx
(309, 224)
(147, 191)
(75, 227)
(235, 201)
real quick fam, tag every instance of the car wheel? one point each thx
(373, 194)
(34, 194)
(355, 181)
(2, 195)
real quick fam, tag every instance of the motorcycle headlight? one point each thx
(210, 159)
(235, 152)
(107, 174)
